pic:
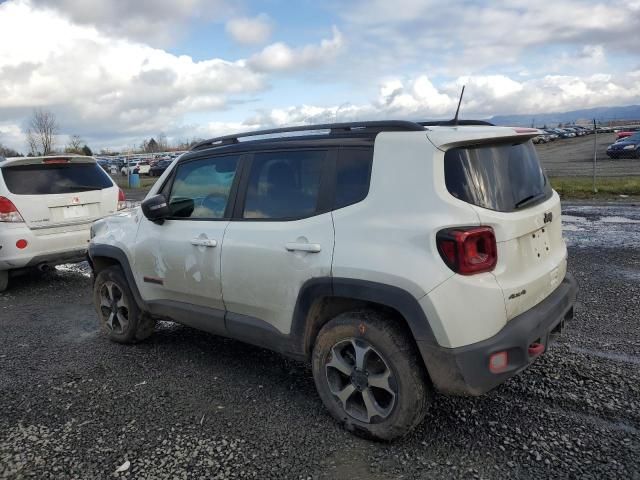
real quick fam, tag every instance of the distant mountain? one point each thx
(601, 114)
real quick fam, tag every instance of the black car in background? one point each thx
(159, 168)
(628, 147)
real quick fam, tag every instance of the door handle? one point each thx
(303, 247)
(203, 242)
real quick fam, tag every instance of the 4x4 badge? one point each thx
(548, 217)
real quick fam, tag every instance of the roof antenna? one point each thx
(455, 119)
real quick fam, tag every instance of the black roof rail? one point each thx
(452, 123)
(334, 129)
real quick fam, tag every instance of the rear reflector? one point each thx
(122, 200)
(468, 250)
(498, 362)
(9, 212)
(22, 243)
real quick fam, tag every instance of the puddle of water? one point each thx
(616, 357)
(573, 219)
(618, 220)
(80, 268)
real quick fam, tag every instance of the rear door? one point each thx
(283, 236)
(510, 192)
(59, 193)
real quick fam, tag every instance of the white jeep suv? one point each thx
(396, 257)
(47, 205)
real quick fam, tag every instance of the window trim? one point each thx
(325, 189)
(233, 192)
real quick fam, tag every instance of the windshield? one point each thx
(46, 179)
(502, 177)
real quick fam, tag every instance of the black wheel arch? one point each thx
(321, 299)
(103, 256)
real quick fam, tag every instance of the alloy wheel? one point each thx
(361, 380)
(114, 307)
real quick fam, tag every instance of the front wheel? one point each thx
(369, 375)
(120, 317)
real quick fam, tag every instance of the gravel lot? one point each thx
(570, 157)
(187, 404)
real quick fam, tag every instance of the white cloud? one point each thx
(418, 99)
(250, 31)
(280, 57)
(98, 83)
(155, 22)
(461, 37)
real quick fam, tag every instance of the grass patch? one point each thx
(145, 182)
(608, 187)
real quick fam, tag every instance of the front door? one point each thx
(282, 239)
(177, 263)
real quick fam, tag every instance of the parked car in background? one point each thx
(104, 164)
(159, 168)
(627, 132)
(47, 205)
(626, 147)
(136, 166)
(314, 243)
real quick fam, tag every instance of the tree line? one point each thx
(43, 130)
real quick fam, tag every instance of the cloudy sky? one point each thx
(117, 71)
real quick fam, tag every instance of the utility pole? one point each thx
(595, 154)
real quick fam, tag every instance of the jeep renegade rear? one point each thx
(397, 257)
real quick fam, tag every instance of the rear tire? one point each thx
(4, 280)
(119, 315)
(369, 375)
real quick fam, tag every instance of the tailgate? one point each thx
(507, 188)
(51, 195)
(532, 256)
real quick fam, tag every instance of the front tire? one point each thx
(369, 375)
(119, 315)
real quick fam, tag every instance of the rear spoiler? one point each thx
(44, 160)
(446, 139)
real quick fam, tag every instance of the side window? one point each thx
(353, 173)
(284, 185)
(201, 187)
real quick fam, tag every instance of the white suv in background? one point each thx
(396, 257)
(47, 205)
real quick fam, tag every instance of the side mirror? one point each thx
(156, 208)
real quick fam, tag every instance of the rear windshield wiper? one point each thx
(529, 200)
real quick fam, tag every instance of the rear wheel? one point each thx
(120, 317)
(369, 375)
(4, 280)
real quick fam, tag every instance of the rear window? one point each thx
(502, 177)
(46, 179)
(353, 172)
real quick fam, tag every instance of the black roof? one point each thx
(334, 132)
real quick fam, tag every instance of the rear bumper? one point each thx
(52, 249)
(465, 370)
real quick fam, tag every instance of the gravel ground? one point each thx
(187, 404)
(568, 157)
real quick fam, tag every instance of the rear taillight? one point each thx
(468, 250)
(122, 200)
(9, 212)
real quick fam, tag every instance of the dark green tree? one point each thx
(86, 151)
